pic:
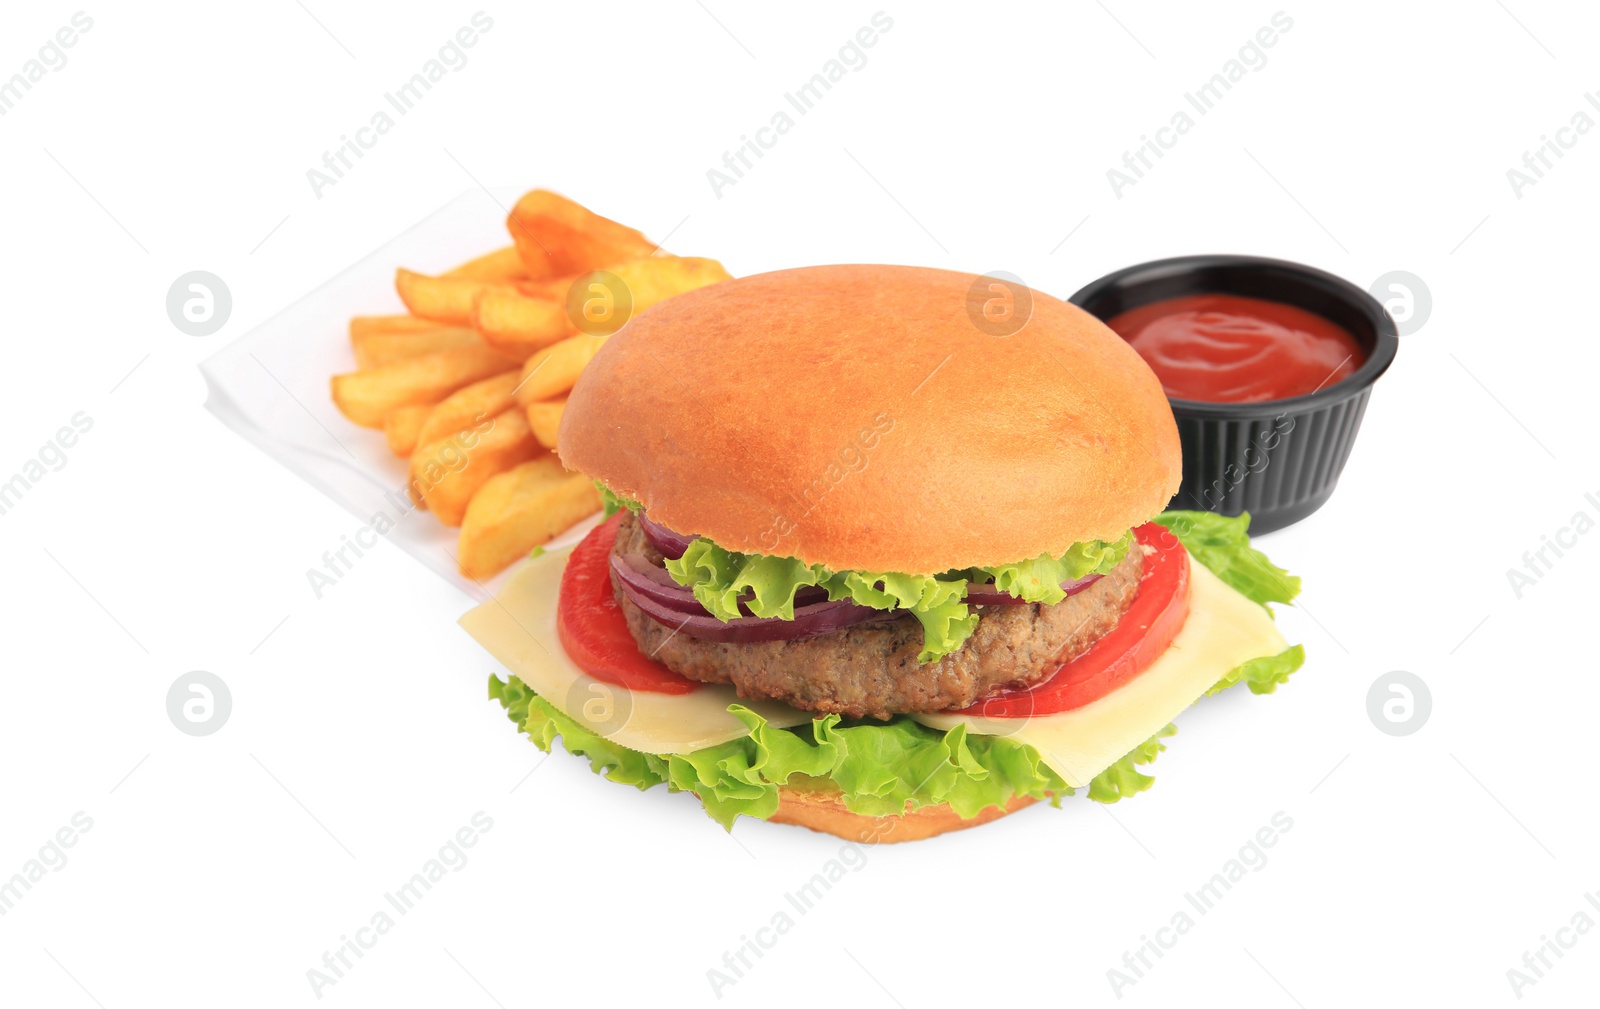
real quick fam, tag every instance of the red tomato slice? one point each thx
(593, 630)
(1144, 632)
(595, 633)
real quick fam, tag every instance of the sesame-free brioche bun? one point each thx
(873, 418)
(826, 812)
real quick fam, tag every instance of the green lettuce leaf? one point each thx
(1263, 675)
(615, 502)
(1223, 545)
(880, 767)
(1039, 580)
(543, 723)
(1122, 780)
(935, 602)
(877, 767)
(721, 579)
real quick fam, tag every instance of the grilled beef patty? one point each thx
(871, 670)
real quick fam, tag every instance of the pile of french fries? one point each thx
(470, 385)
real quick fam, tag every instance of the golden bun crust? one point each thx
(825, 812)
(858, 417)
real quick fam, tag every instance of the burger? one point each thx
(884, 555)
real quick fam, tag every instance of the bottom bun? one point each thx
(826, 812)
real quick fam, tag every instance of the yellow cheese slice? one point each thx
(1224, 630)
(518, 627)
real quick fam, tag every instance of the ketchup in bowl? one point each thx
(1224, 348)
(1268, 365)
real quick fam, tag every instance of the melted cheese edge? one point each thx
(1224, 629)
(518, 627)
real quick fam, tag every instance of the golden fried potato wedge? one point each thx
(363, 324)
(545, 419)
(402, 426)
(597, 305)
(658, 278)
(556, 237)
(377, 347)
(519, 324)
(443, 299)
(447, 473)
(468, 407)
(366, 397)
(502, 266)
(537, 314)
(519, 509)
(552, 372)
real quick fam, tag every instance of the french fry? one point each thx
(468, 407)
(519, 324)
(553, 371)
(443, 299)
(366, 397)
(447, 473)
(502, 266)
(556, 237)
(519, 509)
(363, 324)
(403, 425)
(648, 282)
(377, 347)
(545, 311)
(545, 419)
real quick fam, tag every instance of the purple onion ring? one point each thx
(668, 544)
(809, 621)
(985, 594)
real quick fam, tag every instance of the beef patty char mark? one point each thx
(871, 670)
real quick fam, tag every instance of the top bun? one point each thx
(872, 418)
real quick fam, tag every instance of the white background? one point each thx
(219, 869)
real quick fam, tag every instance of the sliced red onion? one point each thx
(809, 621)
(654, 591)
(669, 544)
(641, 578)
(636, 572)
(985, 594)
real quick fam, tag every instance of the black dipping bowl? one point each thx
(1277, 460)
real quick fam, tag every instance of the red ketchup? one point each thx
(1222, 348)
